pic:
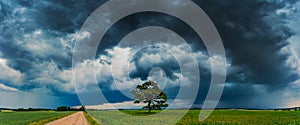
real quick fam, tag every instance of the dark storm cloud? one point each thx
(58, 17)
(253, 35)
(53, 22)
(62, 15)
(144, 19)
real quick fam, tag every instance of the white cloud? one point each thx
(49, 74)
(118, 69)
(37, 33)
(120, 105)
(41, 45)
(283, 11)
(7, 88)
(21, 10)
(293, 49)
(83, 35)
(293, 61)
(46, 49)
(9, 74)
(121, 66)
(85, 76)
(153, 58)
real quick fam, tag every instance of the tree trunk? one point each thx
(149, 107)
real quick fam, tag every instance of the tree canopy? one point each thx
(150, 93)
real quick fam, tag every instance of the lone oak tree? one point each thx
(150, 93)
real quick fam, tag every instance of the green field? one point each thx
(24, 118)
(218, 117)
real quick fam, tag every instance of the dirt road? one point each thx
(74, 119)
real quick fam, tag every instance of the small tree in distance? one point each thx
(82, 108)
(150, 93)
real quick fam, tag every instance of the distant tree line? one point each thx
(59, 108)
(67, 108)
(288, 109)
(32, 109)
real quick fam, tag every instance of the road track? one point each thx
(74, 119)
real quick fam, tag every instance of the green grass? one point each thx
(140, 112)
(241, 117)
(90, 119)
(24, 118)
(218, 117)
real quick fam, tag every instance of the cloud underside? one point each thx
(38, 37)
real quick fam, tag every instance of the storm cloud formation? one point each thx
(254, 34)
(37, 38)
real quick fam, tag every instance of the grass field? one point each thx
(90, 119)
(218, 117)
(24, 118)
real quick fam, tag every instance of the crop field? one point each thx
(24, 118)
(218, 117)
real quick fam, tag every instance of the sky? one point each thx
(261, 40)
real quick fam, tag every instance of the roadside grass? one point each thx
(25, 118)
(218, 117)
(90, 119)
